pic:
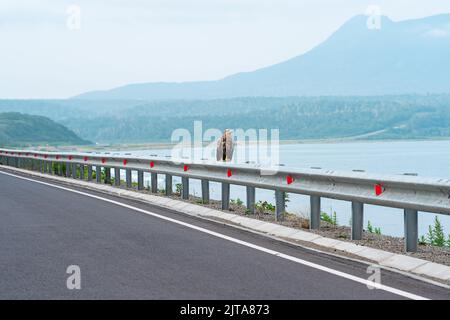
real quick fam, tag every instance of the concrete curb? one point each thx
(383, 258)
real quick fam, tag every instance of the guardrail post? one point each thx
(128, 178)
(117, 177)
(89, 177)
(107, 175)
(225, 196)
(314, 218)
(154, 182)
(82, 171)
(185, 188)
(140, 175)
(251, 194)
(411, 230)
(98, 174)
(168, 184)
(357, 220)
(280, 205)
(60, 169)
(205, 191)
(74, 170)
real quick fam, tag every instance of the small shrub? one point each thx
(330, 219)
(422, 240)
(436, 235)
(178, 188)
(369, 227)
(335, 221)
(325, 217)
(238, 202)
(372, 229)
(262, 207)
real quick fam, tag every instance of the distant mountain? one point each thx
(400, 58)
(18, 129)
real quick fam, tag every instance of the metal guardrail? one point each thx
(406, 192)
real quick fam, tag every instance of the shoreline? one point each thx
(165, 145)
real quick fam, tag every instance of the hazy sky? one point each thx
(43, 53)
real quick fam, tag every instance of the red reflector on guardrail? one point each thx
(229, 173)
(45, 156)
(186, 167)
(70, 157)
(35, 155)
(289, 179)
(57, 157)
(152, 164)
(85, 159)
(125, 161)
(103, 160)
(379, 189)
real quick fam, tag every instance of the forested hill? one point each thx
(19, 130)
(377, 117)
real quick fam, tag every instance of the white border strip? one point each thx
(243, 243)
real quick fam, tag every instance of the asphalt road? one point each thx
(125, 254)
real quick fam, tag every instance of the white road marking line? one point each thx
(243, 243)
